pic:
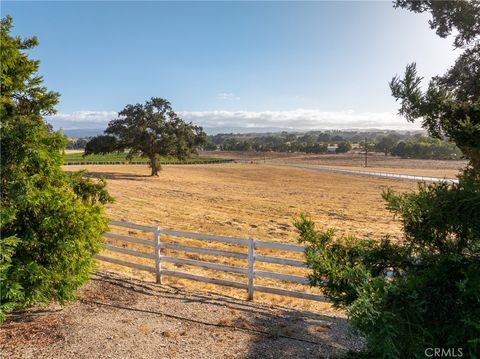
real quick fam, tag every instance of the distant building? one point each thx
(332, 149)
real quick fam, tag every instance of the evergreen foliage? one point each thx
(422, 292)
(51, 222)
(406, 297)
(450, 107)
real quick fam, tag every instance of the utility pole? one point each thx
(366, 152)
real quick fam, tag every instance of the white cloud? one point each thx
(258, 121)
(227, 96)
(300, 119)
(81, 119)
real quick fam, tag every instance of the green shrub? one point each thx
(51, 222)
(424, 291)
(405, 297)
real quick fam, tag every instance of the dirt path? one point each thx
(116, 317)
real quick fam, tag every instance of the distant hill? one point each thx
(241, 131)
(82, 132)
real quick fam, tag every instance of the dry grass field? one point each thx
(376, 162)
(246, 200)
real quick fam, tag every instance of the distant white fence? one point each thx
(368, 173)
(249, 272)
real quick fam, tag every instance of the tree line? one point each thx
(426, 148)
(405, 145)
(281, 143)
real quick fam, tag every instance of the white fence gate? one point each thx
(249, 272)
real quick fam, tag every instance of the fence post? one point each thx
(251, 259)
(158, 264)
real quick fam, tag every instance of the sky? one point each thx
(230, 66)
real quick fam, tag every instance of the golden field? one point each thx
(377, 162)
(245, 200)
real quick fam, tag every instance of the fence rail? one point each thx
(249, 271)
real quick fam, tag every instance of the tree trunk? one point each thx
(154, 166)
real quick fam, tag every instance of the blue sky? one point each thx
(250, 65)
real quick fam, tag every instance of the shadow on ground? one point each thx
(275, 331)
(117, 176)
(118, 317)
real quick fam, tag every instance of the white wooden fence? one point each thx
(249, 272)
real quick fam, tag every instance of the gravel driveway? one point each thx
(116, 317)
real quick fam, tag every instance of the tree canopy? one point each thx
(447, 16)
(422, 291)
(450, 106)
(150, 130)
(51, 222)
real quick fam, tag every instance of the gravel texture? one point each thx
(118, 317)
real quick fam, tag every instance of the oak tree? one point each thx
(151, 130)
